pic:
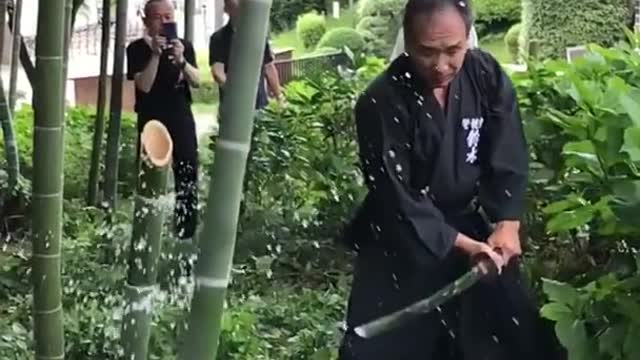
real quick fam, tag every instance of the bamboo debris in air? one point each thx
(156, 148)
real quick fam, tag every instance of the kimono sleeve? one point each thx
(505, 156)
(385, 158)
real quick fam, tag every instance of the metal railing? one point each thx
(292, 69)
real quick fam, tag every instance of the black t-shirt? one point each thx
(219, 50)
(167, 95)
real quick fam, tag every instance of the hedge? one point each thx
(495, 16)
(341, 37)
(378, 23)
(550, 26)
(284, 13)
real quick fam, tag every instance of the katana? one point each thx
(483, 268)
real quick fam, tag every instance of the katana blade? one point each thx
(398, 318)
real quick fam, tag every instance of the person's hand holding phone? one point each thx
(158, 43)
(177, 50)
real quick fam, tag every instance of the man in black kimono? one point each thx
(444, 155)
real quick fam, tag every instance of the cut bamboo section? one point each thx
(156, 148)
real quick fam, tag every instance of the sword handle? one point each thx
(485, 265)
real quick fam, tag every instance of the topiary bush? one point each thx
(495, 16)
(512, 41)
(379, 22)
(310, 28)
(550, 26)
(284, 13)
(341, 37)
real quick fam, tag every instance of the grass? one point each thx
(496, 46)
(289, 39)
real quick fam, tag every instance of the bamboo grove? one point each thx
(47, 77)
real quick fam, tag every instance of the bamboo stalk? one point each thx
(156, 148)
(98, 131)
(15, 54)
(48, 146)
(10, 145)
(218, 238)
(113, 133)
(189, 11)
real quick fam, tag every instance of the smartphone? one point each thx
(170, 30)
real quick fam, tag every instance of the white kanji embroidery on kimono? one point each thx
(472, 126)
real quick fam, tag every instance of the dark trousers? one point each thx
(182, 128)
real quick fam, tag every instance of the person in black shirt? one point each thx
(219, 50)
(163, 72)
(445, 161)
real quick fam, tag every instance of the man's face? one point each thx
(158, 13)
(438, 46)
(231, 8)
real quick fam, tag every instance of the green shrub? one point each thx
(341, 37)
(284, 13)
(495, 16)
(379, 22)
(206, 93)
(582, 123)
(550, 26)
(512, 41)
(79, 125)
(310, 28)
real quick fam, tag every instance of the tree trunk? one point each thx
(10, 145)
(98, 132)
(189, 12)
(113, 133)
(15, 54)
(218, 239)
(48, 146)
(156, 148)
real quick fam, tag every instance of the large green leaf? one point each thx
(573, 336)
(612, 340)
(632, 143)
(581, 153)
(557, 312)
(570, 202)
(560, 292)
(631, 105)
(572, 219)
(632, 342)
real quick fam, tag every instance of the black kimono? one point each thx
(431, 174)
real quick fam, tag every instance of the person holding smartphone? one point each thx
(164, 69)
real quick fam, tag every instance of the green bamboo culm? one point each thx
(149, 211)
(15, 52)
(48, 146)
(218, 237)
(189, 11)
(10, 145)
(98, 132)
